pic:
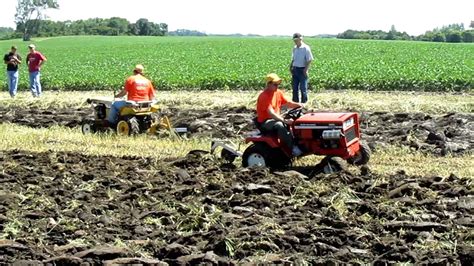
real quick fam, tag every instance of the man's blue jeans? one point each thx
(12, 78)
(300, 83)
(115, 110)
(35, 85)
(285, 136)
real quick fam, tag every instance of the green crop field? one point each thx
(91, 63)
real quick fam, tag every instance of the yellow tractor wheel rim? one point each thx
(122, 128)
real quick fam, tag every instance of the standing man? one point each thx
(269, 104)
(137, 88)
(35, 60)
(12, 60)
(300, 61)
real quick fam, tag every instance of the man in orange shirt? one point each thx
(269, 104)
(137, 88)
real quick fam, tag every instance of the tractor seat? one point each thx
(258, 125)
(144, 104)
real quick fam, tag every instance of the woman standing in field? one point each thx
(35, 60)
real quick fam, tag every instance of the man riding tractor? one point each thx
(293, 134)
(138, 114)
(137, 88)
(269, 119)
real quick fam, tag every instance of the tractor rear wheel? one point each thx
(260, 154)
(256, 155)
(134, 126)
(362, 157)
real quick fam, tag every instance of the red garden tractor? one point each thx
(334, 135)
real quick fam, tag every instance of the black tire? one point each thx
(362, 157)
(88, 127)
(134, 126)
(228, 156)
(260, 154)
(332, 164)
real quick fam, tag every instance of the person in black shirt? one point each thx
(12, 60)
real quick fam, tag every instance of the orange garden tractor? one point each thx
(138, 117)
(334, 135)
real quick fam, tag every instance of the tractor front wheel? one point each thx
(88, 127)
(362, 157)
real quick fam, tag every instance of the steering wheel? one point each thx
(294, 113)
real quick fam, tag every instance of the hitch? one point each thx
(229, 151)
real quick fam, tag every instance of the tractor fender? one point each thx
(269, 140)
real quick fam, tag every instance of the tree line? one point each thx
(96, 26)
(453, 33)
(31, 21)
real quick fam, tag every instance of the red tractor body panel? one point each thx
(334, 134)
(272, 140)
(324, 118)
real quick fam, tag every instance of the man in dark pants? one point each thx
(300, 61)
(269, 103)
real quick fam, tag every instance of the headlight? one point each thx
(348, 123)
(332, 134)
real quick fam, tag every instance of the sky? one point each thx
(268, 17)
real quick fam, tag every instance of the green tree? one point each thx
(438, 37)
(143, 27)
(453, 36)
(348, 34)
(31, 10)
(119, 26)
(6, 33)
(391, 35)
(452, 28)
(468, 36)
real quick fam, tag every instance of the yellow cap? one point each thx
(272, 77)
(139, 68)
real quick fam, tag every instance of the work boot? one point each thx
(296, 151)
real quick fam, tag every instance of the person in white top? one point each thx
(300, 61)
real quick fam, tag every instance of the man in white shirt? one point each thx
(300, 61)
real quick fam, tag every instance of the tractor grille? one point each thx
(350, 134)
(101, 111)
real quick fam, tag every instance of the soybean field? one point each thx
(216, 63)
